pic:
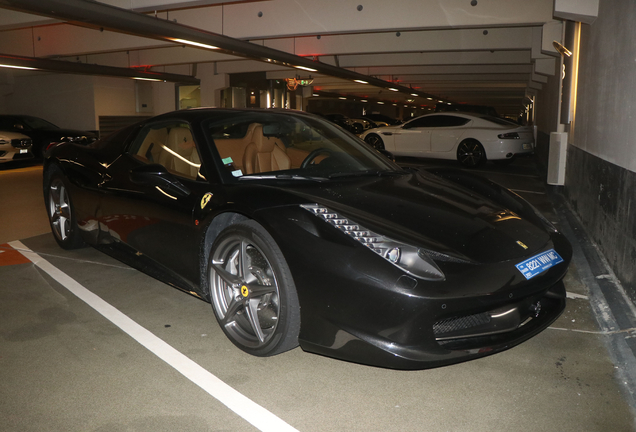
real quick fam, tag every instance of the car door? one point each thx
(150, 196)
(414, 137)
(447, 132)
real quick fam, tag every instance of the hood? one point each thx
(8, 136)
(427, 211)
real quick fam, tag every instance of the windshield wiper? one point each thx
(280, 177)
(378, 173)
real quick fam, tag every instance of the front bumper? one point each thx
(358, 307)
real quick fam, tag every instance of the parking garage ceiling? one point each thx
(495, 53)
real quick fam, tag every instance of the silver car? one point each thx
(14, 146)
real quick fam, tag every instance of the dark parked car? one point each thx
(298, 232)
(42, 132)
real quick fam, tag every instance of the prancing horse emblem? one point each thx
(206, 199)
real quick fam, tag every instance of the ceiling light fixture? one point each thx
(17, 67)
(361, 81)
(306, 68)
(561, 49)
(196, 44)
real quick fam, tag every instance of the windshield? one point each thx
(258, 145)
(38, 123)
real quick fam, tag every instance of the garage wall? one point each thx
(546, 119)
(601, 166)
(65, 100)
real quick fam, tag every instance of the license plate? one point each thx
(24, 151)
(539, 263)
(527, 146)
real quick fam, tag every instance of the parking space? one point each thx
(64, 365)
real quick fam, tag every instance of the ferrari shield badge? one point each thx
(206, 199)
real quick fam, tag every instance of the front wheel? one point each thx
(375, 141)
(471, 153)
(252, 291)
(61, 213)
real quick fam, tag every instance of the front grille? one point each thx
(450, 325)
(21, 142)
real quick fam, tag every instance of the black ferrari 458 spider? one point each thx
(299, 233)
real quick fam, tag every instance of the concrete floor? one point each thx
(65, 367)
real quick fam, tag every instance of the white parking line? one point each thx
(255, 414)
(572, 295)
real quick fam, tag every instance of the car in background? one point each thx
(375, 123)
(356, 126)
(377, 117)
(14, 147)
(470, 138)
(42, 132)
(297, 232)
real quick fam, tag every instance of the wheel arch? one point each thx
(212, 231)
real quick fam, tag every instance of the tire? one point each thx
(471, 154)
(60, 210)
(375, 141)
(252, 292)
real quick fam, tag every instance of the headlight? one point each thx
(509, 135)
(411, 259)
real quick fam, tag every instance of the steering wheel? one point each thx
(311, 156)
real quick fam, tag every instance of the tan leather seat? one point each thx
(180, 142)
(264, 154)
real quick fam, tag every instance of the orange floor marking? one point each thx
(10, 256)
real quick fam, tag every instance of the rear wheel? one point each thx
(375, 141)
(471, 153)
(252, 291)
(61, 213)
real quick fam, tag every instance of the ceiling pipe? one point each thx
(88, 13)
(39, 64)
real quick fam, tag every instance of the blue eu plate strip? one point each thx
(539, 263)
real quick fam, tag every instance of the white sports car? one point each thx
(472, 139)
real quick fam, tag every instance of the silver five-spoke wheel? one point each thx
(59, 209)
(251, 291)
(59, 204)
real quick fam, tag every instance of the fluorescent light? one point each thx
(147, 79)
(440, 101)
(342, 98)
(393, 89)
(414, 94)
(363, 100)
(18, 67)
(315, 94)
(197, 44)
(380, 103)
(306, 68)
(429, 98)
(361, 82)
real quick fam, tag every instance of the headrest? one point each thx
(263, 144)
(178, 136)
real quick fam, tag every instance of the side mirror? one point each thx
(158, 175)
